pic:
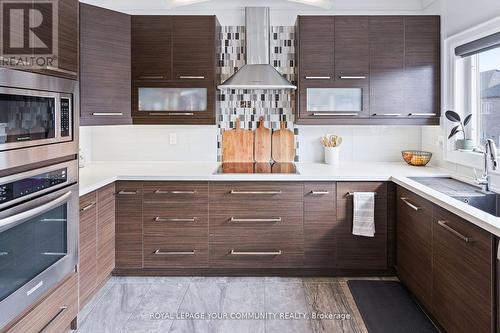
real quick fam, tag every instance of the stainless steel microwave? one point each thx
(38, 118)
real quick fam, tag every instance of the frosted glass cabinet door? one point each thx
(173, 99)
(334, 100)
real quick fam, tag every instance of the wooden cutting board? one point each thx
(237, 145)
(283, 145)
(262, 150)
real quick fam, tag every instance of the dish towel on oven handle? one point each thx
(363, 217)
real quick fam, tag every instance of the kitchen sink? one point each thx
(488, 202)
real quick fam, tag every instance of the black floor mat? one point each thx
(387, 307)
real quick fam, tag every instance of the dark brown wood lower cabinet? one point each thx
(414, 245)
(462, 275)
(97, 240)
(54, 313)
(128, 225)
(356, 252)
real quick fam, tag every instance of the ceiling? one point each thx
(146, 6)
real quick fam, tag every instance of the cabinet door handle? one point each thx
(61, 311)
(183, 192)
(123, 192)
(319, 192)
(253, 253)
(60, 70)
(386, 114)
(318, 77)
(350, 114)
(174, 219)
(264, 220)
(354, 77)
(160, 252)
(454, 232)
(256, 192)
(351, 194)
(422, 114)
(409, 204)
(152, 77)
(189, 77)
(102, 114)
(161, 192)
(90, 205)
(171, 113)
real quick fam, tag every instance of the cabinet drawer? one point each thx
(54, 313)
(256, 191)
(238, 218)
(183, 192)
(267, 251)
(175, 252)
(175, 219)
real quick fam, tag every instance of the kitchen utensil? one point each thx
(262, 148)
(331, 141)
(283, 145)
(416, 157)
(237, 145)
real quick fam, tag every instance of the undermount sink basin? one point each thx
(488, 202)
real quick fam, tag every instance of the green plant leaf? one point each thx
(467, 119)
(454, 131)
(453, 116)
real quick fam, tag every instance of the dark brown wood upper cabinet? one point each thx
(193, 48)
(105, 67)
(351, 48)
(394, 60)
(422, 66)
(387, 75)
(67, 64)
(151, 47)
(316, 47)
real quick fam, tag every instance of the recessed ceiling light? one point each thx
(326, 4)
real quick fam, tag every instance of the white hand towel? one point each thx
(363, 223)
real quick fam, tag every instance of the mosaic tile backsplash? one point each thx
(249, 105)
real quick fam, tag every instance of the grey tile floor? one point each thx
(127, 304)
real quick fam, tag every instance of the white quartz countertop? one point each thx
(99, 174)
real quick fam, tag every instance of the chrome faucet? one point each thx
(490, 163)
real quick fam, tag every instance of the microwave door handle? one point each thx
(14, 220)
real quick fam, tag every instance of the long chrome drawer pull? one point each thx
(174, 219)
(386, 114)
(335, 114)
(183, 192)
(252, 253)
(61, 311)
(352, 77)
(422, 114)
(160, 252)
(123, 192)
(454, 232)
(318, 77)
(191, 77)
(60, 70)
(107, 114)
(152, 77)
(350, 194)
(161, 192)
(409, 204)
(271, 220)
(256, 192)
(171, 114)
(90, 205)
(319, 192)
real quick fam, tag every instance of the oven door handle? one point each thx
(12, 221)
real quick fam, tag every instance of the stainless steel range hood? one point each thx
(257, 73)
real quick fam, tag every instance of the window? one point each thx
(478, 91)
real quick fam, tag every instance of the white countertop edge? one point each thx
(477, 217)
